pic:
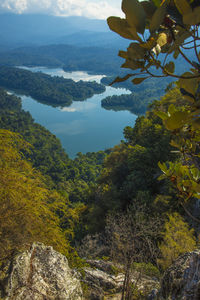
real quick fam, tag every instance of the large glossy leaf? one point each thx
(120, 26)
(158, 17)
(135, 14)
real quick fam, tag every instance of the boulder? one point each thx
(181, 281)
(39, 273)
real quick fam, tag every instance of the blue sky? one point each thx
(99, 9)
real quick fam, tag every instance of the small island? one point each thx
(54, 91)
(132, 102)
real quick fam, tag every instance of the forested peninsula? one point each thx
(54, 91)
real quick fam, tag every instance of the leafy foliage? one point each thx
(28, 208)
(177, 239)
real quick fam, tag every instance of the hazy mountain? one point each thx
(44, 29)
(90, 38)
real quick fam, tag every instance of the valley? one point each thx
(99, 167)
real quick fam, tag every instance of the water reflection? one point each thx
(75, 75)
(84, 126)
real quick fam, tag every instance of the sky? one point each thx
(96, 9)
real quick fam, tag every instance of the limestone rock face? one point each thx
(181, 281)
(40, 274)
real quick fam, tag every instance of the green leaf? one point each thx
(163, 167)
(135, 14)
(138, 80)
(120, 26)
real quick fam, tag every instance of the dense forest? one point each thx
(96, 185)
(55, 91)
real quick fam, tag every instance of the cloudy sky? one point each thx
(89, 8)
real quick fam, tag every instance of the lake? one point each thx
(84, 126)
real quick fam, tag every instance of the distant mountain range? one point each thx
(35, 29)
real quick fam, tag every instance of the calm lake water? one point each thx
(84, 126)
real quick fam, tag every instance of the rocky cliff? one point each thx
(181, 281)
(40, 273)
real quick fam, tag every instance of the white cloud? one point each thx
(89, 8)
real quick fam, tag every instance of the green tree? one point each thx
(177, 239)
(29, 211)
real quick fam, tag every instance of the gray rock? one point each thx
(105, 266)
(181, 281)
(40, 274)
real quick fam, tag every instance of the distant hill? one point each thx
(85, 38)
(35, 29)
(97, 60)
